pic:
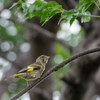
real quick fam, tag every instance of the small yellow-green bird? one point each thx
(33, 71)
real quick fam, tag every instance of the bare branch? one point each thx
(53, 69)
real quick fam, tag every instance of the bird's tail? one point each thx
(16, 75)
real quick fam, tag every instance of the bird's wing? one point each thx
(31, 67)
(23, 70)
(36, 66)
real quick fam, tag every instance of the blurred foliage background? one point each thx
(13, 40)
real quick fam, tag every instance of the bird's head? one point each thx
(42, 59)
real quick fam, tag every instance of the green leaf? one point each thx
(20, 2)
(66, 15)
(40, 8)
(49, 13)
(32, 8)
(36, 10)
(72, 20)
(39, 2)
(47, 19)
(15, 4)
(86, 17)
(25, 9)
(51, 4)
(84, 4)
(85, 1)
(45, 14)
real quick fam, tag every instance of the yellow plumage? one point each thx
(16, 75)
(30, 69)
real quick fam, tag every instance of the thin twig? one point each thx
(53, 69)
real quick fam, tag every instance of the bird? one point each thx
(33, 71)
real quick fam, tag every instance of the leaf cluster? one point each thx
(80, 10)
(47, 10)
(97, 4)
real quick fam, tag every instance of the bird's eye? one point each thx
(43, 60)
(42, 56)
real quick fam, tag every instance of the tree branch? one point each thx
(53, 69)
